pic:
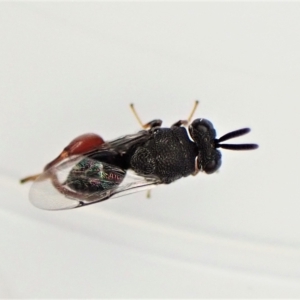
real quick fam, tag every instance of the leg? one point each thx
(196, 167)
(151, 124)
(80, 145)
(193, 111)
(186, 122)
(179, 123)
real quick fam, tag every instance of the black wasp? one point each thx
(90, 170)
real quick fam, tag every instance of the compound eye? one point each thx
(202, 125)
(212, 166)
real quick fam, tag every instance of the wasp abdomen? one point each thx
(90, 176)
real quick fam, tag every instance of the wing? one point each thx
(123, 144)
(83, 180)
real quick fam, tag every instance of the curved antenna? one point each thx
(232, 135)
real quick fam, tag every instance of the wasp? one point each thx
(90, 170)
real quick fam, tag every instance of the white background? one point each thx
(72, 68)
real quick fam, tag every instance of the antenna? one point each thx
(232, 135)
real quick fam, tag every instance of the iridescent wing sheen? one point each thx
(82, 180)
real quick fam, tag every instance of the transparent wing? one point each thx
(83, 181)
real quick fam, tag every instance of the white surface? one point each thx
(71, 68)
